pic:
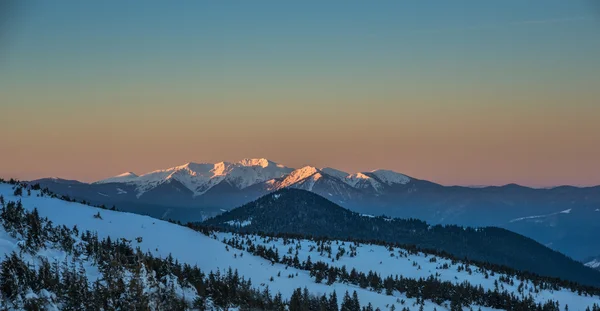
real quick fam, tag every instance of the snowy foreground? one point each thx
(210, 254)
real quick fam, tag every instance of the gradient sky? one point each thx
(457, 92)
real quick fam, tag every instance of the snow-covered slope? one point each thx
(296, 176)
(320, 181)
(122, 178)
(362, 181)
(335, 173)
(397, 261)
(391, 177)
(188, 246)
(540, 218)
(593, 263)
(162, 238)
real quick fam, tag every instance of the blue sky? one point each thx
(274, 36)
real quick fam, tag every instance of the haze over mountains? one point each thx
(564, 218)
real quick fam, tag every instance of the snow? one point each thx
(127, 174)
(235, 223)
(104, 195)
(303, 178)
(121, 191)
(311, 181)
(159, 237)
(391, 177)
(201, 177)
(162, 238)
(360, 180)
(528, 217)
(335, 173)
(256, 162)
(567, 211)
(296, 176)
(122, 178)
(593, 264)
(243, 175)
(378, 259)
(355, 178)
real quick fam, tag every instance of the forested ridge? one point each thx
(301, 212)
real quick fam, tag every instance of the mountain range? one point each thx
(564, 218)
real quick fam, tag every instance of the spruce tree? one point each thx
(296, 300)
(355, 302)
(347, 303)
(333, 302)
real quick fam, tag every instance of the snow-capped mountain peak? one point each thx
(128, 174)
(262, 162)
(352, 179)
(335, 173)
(220, 168)
(125, 177)
(252, 171)
(362, 181)
(391, 177)
(298, 175)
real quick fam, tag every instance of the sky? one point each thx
(456, 92)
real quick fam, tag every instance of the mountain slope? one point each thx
(193, 191)
(172, 245)
(163, 239)
(302, 212)
(593, 262)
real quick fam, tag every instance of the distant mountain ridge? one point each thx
(194, 191)
(201, 177)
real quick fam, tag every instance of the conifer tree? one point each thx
(333, 302)
(347, 303)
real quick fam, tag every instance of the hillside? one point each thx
(171, 267)
(302, 212)
(159, 239)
